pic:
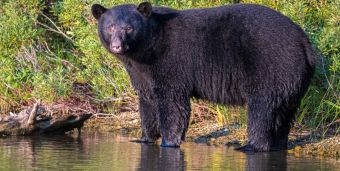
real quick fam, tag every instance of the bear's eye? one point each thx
(110, 28)
(129, 29)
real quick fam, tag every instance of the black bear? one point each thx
(242, 54)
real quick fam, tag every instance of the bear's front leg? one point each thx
(149, 118)
(174, 115)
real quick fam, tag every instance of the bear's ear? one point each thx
(97, 10)
(145, 8)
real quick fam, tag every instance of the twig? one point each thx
(110, 99)
(50, 53)
(105, 115)
(56, 30)
(333, 123)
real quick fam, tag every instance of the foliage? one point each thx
(48, 45)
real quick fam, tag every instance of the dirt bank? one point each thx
(302, 142)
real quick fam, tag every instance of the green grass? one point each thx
(41, 56)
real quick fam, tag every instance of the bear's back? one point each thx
(237, 31)
(249, 17)
(250, 47)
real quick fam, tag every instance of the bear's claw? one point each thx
(143, 141)
(246, 149)
(167, 144)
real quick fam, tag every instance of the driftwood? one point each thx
(34, 121)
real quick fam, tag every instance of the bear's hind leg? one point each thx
(268, 124)
(284, 117)
(260, 124)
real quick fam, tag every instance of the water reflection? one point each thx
(267, 161)
(109, 151)
(36, 152)
(154, 157)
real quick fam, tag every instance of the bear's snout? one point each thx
(119, 48)
(116, 48)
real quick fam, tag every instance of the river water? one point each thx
(109, 151)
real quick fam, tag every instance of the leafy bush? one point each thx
(46, 46)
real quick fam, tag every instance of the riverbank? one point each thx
(205, 125)
(205, 130)
(302, 142)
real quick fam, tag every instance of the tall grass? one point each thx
(47, 46)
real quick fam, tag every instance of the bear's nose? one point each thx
(116, 48)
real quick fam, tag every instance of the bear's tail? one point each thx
(310, 55)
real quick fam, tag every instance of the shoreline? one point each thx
(203, 127)
(302, 142)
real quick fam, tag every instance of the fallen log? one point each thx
(34, 121)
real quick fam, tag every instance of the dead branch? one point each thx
(56, 30)
(36, 121)
(33, 113)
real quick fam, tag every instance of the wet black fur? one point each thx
(239, 54)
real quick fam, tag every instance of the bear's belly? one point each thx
(220, 88)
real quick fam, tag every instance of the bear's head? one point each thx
(124, 28)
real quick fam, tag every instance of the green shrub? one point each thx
(43, 53)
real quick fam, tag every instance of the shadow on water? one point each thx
(107, 151)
